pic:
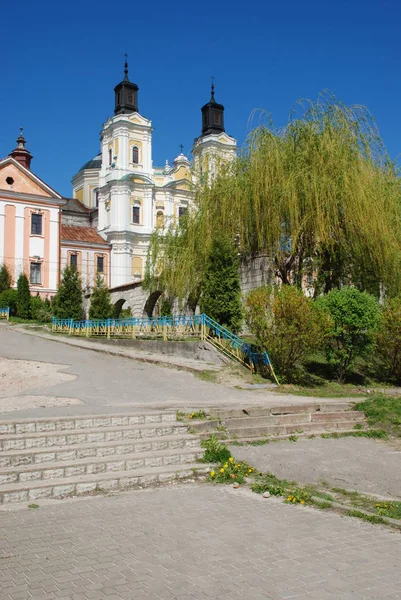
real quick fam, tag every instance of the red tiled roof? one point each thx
(81, 234)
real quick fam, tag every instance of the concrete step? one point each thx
(262, 431)
(286, 436)
(292, 409)
(90, 466)
(47, 439)
(116, 480)
(38, 456)
(285, 419)
(82, 422)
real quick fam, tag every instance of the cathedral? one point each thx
(132, 197)
(119, 198)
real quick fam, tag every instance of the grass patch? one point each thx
(370, 518)
(33, 506)
(372, 433)
(205, 375)
(383, 410)
(215, 451)
(325, 389)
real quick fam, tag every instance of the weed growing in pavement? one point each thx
(370, 518)
(378, 434)
(215, 451)
(231, 471)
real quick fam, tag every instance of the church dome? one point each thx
(94, 163)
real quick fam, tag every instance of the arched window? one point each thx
(160, 219)
(135, 155)
(110, 156)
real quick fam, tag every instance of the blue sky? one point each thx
(61, 61)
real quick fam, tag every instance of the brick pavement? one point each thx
(191, 542)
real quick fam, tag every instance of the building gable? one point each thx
(15, 178)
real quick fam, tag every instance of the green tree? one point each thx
(101, 306)
(355, 317)
(221, 290)
(9, 298)
(389, 340)
(23, 297)
(319, 196)
(5, 278)
(166, 310)
(67, 303)
(40, 309)
(286, 324)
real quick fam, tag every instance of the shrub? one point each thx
(286, 324)
(23, 297)
(5, 278)
(166, 309)
(389, 340)
(40, 309)
(221, 289)
(101, 306)
(355, 317)
(9, 298)
(215, 451)
(67, 303)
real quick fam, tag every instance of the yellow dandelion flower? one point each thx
(226, 466)
(212, 474)
(222, 470)
(302, 501)
(294, 499)
(231, 459)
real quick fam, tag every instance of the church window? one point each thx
(136, 214)
(130, 99)
(100, 264)
(135, 155)
(73, 261)
(36, 224)
(217, 119)
(160, 219)
(182, 212)
(35, 272)
(110, 156)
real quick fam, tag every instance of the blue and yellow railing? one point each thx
(167, 328)
(5, 312)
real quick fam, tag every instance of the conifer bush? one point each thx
(23, 297)
(9, 298)
(101, 306)
(5, 278)
(221, 289)
(67, 303)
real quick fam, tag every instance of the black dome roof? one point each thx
(94, 163)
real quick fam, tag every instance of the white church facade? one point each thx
(130, 195)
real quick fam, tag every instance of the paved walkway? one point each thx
(105, 383)
(193, 542)
(367, 465)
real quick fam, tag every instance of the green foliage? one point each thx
(101, 306)
(231, 471)
(125, 313)
(319, 196)
(40, 309)
(166, 310)
(355, 317)
(5, 278)
(369, 518)
(23, 297)
(67, 303)
(383, 410)
(9, 298)
(215, 451)
(221, 289)
(286, 324)
(390, 509)
(389, 341)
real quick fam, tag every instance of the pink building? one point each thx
(41, 232)
(30, 215)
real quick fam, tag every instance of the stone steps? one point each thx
(102, 482)
(84, 466)
(53, 458)
(37, 456)
(255, 423)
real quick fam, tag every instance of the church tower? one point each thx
(214, 148)
(125, 190)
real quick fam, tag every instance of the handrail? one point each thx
(222, 338)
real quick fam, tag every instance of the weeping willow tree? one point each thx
(319, 196)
